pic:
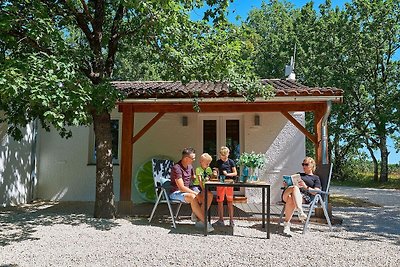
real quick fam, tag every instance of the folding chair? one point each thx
(324, 171)
(161, 176)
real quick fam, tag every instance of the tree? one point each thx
(274, 25)
(357, 54)
(372, 41)
(58, 58)
(353, 49)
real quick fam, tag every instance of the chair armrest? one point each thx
(318, 191)
(165, 183)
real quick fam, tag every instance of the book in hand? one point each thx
(294, 179)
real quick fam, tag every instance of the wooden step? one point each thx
(239, 199)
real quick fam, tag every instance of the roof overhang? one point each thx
(171, 96)
(337, 99)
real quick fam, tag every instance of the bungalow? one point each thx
(157, 119)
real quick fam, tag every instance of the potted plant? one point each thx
(251, 162)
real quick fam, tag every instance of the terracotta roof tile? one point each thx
(169, 89)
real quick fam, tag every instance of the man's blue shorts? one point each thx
(178, 195)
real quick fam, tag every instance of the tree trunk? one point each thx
(104, 203)
(337, 164)
(375, 162)
(384, 160)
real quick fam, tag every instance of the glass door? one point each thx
(220, 131)
(232, 140)
(210, 139)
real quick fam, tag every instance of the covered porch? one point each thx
(161, 98)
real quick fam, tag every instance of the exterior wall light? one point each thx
(257, 120)
(184, 121)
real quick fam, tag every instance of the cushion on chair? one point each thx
(162, 172)
(165, 183)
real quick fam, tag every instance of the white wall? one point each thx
(282, 143)
(65, 175)
(284, 148)
(65, 171)
(16, 174)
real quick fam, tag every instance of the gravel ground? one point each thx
(66, 234)
(389, 198)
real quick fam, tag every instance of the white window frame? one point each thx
(221, 134)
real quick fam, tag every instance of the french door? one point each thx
(220, 131)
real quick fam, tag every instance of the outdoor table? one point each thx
(257, 184)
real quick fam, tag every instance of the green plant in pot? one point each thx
(251, 162)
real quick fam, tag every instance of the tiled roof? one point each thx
(169, 89)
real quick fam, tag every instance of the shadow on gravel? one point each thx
(185, 227)
(371, 224)
(19, 223)
(164, 222)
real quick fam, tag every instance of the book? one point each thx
(294, 179)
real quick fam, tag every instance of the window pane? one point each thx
(114, 134)
(210, 139)
(232, 138)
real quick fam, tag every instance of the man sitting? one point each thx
(182, 174)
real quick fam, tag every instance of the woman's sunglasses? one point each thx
(304, 164)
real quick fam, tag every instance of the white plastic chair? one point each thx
(161, 176)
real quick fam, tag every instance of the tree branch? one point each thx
(82, 23)
(98, 21)
(114, 39)
(31, 42)
(86, 9)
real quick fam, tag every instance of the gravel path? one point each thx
(45, 234)
(389, 198)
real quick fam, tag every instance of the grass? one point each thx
(363, 180)
(343, 201)
(366, 180)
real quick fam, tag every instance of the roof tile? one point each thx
(170, 89)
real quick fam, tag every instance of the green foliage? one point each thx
(250, 87)
(370, 42)
(138, 63)
(344, 201)
(198, 51)
(251, 160)
(367, 181)
(358, 171)
(62, 54)
(45, 87)
(353, 49)
(274, 24)
(57, 58)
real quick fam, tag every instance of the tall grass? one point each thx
(367, 180)
(359, 172)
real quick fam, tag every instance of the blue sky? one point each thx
(242, 7)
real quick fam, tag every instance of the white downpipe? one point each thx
(324, 131)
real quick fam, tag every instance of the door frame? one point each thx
(221, 133)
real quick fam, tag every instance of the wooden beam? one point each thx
(126, 153)
(224, 107)
(147, 127)
(313, 138)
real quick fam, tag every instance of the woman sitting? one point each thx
(295, 196)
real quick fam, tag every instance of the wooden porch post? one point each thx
(125, 204)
